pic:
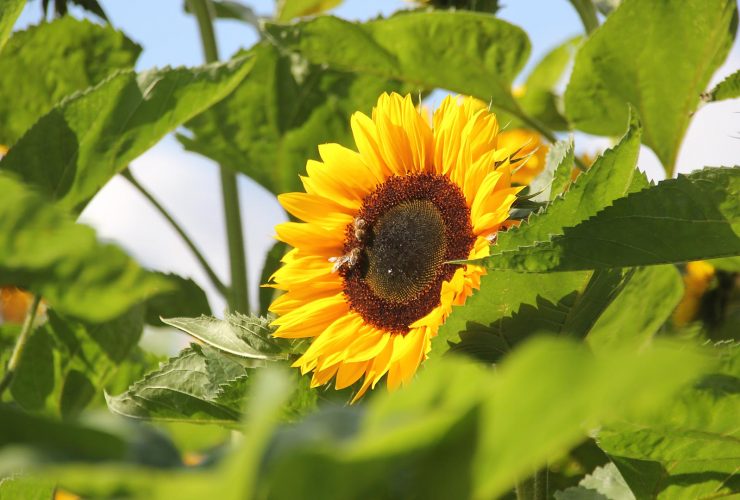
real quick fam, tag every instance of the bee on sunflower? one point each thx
(369, 278)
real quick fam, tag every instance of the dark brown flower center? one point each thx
(398, 245)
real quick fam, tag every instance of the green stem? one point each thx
(239, 297)
(545, 132)
(20, 345)
(180, 231)
(587, 13)
(533, 488)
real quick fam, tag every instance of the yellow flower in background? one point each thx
(367, 278)
(521, 142)
(14, 304)
(3, 150)
(697, 278)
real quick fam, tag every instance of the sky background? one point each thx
(188, 184)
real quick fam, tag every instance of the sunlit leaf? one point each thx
(612, 176)
(71, 152)
(185, 299)
(9, 12)
(695, 216)
(289, 9)
(729, 88)
(414, 46)
(187, 387)
(277, 116)
(67, 362)
(691, 448)
(244, 336)
(43, 250)
(646, 301)
(25, 488)
(634, 58)
(71, 54)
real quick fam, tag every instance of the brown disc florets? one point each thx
(398, 245)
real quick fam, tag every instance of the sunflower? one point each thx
(697, 279)
(524, 142)
(369, 277)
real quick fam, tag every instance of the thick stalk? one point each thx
(545, 132)
(180, 231)
(533, 488)
(238, 297)
(20, 345)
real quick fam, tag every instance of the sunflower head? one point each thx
(524, 143)
(370, 277)
(697, 279)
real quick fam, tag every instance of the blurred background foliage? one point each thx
(598, 360)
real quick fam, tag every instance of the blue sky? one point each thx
(188, 184)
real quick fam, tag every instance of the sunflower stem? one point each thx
(180, 231)
(544, 132)
(238, 296)
(20, 345)
(533, 488)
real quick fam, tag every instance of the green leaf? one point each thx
(226, 9)
(289, 9)
(501, 294)
(71, 54)
(644, 304)
(187, 387)
(691, 448)
(414, 46)
(632, 59)
(561, 161)
(587, 13)
(9, 12)
(272, 262)
(186, 299)
(275, 119)
(26, 488)
(445, 435)
(573, 315)
(43, 250)
(693, 217)
(71, 152)
(237, 334)
(540, 100)
(729, 88)
(66, 363)
(611, 177)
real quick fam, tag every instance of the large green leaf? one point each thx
(448, 437)
(658, 56)
(501, 294)
(9, 12)
(645, 303)
(729, 88)
(185, 299)
(25, 488)
(244, 336)
(70, 54)
(43, 250)
(481, 55)
(612, 176)
(191, 386)
(202, 386)
(71, 152)
(540, 99)
(275, 119)
(66, 363)
(573, 315)
(696, 216)
(691, 448)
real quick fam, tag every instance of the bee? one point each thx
(351, 258)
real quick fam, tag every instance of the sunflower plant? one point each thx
(461, 302)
